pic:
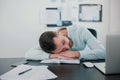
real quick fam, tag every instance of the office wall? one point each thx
(114, 17)
(21, 24)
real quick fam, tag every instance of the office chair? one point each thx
(93, 31)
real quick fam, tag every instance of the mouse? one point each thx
(88, 64)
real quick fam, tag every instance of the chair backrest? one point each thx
(93, 31)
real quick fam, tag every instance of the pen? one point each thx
(24, 71)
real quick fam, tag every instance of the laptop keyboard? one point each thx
(100, 66)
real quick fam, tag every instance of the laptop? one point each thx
(112, 61)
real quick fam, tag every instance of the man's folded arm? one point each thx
(96, 49)
(93, 54)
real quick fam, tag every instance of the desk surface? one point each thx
(63, 71)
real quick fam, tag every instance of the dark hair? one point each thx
(46, 41)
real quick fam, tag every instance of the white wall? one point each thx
(21, 25)
(115, 17)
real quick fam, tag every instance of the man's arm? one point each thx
(36, 53)
(96, 49)
(69, 55)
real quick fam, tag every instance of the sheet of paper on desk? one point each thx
(37, 73)
(77, 61)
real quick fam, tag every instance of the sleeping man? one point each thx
(67, 43)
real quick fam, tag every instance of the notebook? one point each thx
(76, 61)
(112, 62)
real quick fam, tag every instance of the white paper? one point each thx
(77, 61)
(52, 16)
(37, 73)
(90, 13)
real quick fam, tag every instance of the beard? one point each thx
(71, 42)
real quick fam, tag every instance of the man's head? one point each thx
(46, 41)
(54, 42)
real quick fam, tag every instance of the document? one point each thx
(77, 61)
(27, 72)
(52, 16)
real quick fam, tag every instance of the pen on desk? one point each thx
(24, 71)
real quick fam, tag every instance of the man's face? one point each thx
(62, 43)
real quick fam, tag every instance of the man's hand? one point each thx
(69, 55)
(59, 56)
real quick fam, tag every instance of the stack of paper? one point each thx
(77, 61)
(36, 73)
